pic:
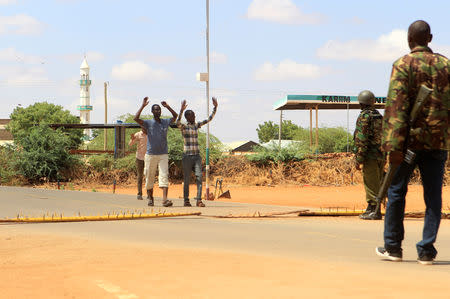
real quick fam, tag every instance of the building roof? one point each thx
(304, 102)
(84, 64)
(246, 147)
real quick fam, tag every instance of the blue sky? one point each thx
(261, 50)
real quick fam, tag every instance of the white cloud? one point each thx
(218, 58)
(387, 47)
(137, 71)
(20, 24)
(7, 2)
(12, 55)
(281, 11)
(150, 58)
(287, 70)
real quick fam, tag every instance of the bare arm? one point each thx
(174, 114)
(132, 140)
(215, 104)
(137, 117)
(183, 107)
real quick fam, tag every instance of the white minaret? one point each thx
(85, 99)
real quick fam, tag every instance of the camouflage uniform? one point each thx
(428, 139)
(367, 138)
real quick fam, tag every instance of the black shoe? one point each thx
(392, 256)
(370, 208)
(425, 260)
(187, 203)
(167, 203)
(371, 216)
(200, 203)
(139, 197)
(150, 202)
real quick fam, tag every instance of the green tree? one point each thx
(24, 119)
(43, 153)
(269, 131)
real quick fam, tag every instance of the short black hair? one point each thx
(187, 112)
(155, 105)
(419, 32)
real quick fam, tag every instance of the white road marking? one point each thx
(115, 290)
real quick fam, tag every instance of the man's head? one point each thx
(190, 116)
(419, 34)
(156, 110)
(366, 98)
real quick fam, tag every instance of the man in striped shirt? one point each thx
(191, 153)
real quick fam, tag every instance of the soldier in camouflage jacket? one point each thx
(367, 139)
(428, 139)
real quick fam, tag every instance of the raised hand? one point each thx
(164, 104)
(183, 105)
(214, 100)
(145, 101)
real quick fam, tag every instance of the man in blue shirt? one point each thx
(157, 154)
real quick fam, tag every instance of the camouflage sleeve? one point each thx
(395, 120)
(361, 136)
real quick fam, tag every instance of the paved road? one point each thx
(331, 241)
(343, 238)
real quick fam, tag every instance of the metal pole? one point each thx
(279, 128)
(310, 128)
(348, 130)
(207, 101)
(105, 141)
(317, 129)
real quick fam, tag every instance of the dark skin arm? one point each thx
(174, 114)
(137, 117)
(183, 107)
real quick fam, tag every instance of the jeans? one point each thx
(140, 174)
(192, 162)
(431, 166)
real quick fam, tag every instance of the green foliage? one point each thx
(293, 152)
(43, 153)
(7, 169)
(101, 162)
(24, 119)
(331, 140)
(269, 131)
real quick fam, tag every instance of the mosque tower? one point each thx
(85, 101)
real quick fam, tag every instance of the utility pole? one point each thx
(207, 101)
(105, 142)
(279, 128)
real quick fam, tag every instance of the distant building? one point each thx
(5, 136)
(240, 148)
(85, 106)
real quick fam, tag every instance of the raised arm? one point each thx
(137, 117)
(215, 104)
(174, 114)
(183, 107)
(132, 140)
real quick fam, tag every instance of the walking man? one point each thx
(157, 154)
(367, 138)
(428, 138)
(141, 139)
(191, 153)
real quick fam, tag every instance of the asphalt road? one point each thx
(333, 238)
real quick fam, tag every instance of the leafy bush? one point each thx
(43, 153)
(293, 152)
(24, 119)
(7, 169)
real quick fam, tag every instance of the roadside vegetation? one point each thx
(41, 154)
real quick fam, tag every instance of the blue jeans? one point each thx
(192, 162)
(431, 166)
